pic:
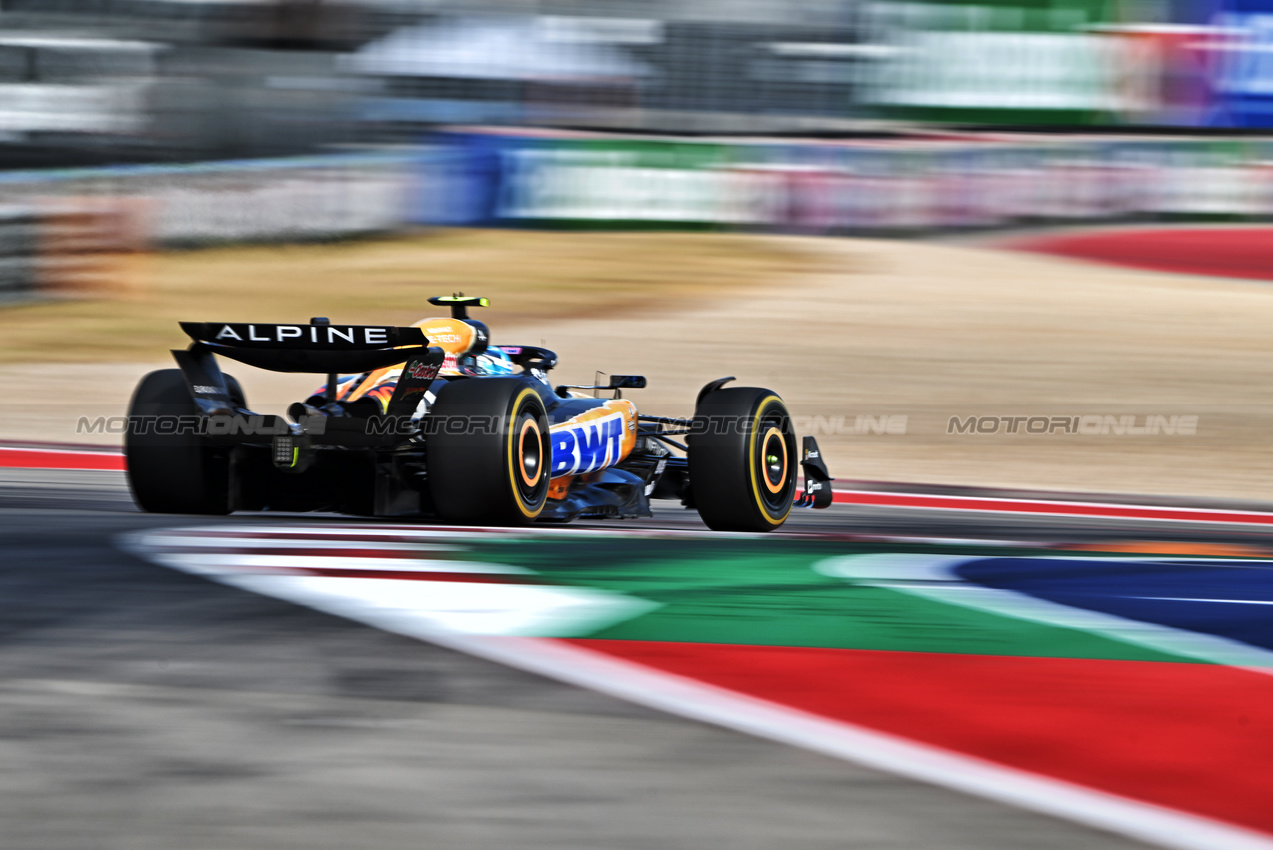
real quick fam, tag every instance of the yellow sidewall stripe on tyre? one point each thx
(512, 456)
(751, 465)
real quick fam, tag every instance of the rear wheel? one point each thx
(742, 460)
(488, 453)
(171, 468)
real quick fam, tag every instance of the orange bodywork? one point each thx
(453, 336)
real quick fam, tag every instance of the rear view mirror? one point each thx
(627, 382)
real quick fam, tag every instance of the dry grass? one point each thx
(528, 277)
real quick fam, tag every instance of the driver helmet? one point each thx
(493, 361)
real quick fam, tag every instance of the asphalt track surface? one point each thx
(144, 708)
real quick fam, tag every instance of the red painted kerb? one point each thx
(1243, 252)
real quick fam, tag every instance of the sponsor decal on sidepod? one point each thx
(593, 440)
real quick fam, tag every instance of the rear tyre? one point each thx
(742, 460)
(171, 468)
(488, 455)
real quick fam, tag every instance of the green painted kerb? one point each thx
(766, 592)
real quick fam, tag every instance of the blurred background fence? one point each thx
(506, 178)
(80, 230)
(892, 186)
(272, 199)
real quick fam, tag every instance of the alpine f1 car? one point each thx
(433, 421)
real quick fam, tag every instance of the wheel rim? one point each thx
(530, 454)
(774, 460)
(773, 454)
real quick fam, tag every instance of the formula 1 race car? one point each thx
(433, 421)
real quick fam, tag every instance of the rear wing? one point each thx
(316, 347)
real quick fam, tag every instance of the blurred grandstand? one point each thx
(128, 80)
(112, 80)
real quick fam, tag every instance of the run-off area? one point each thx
(1125, 691)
